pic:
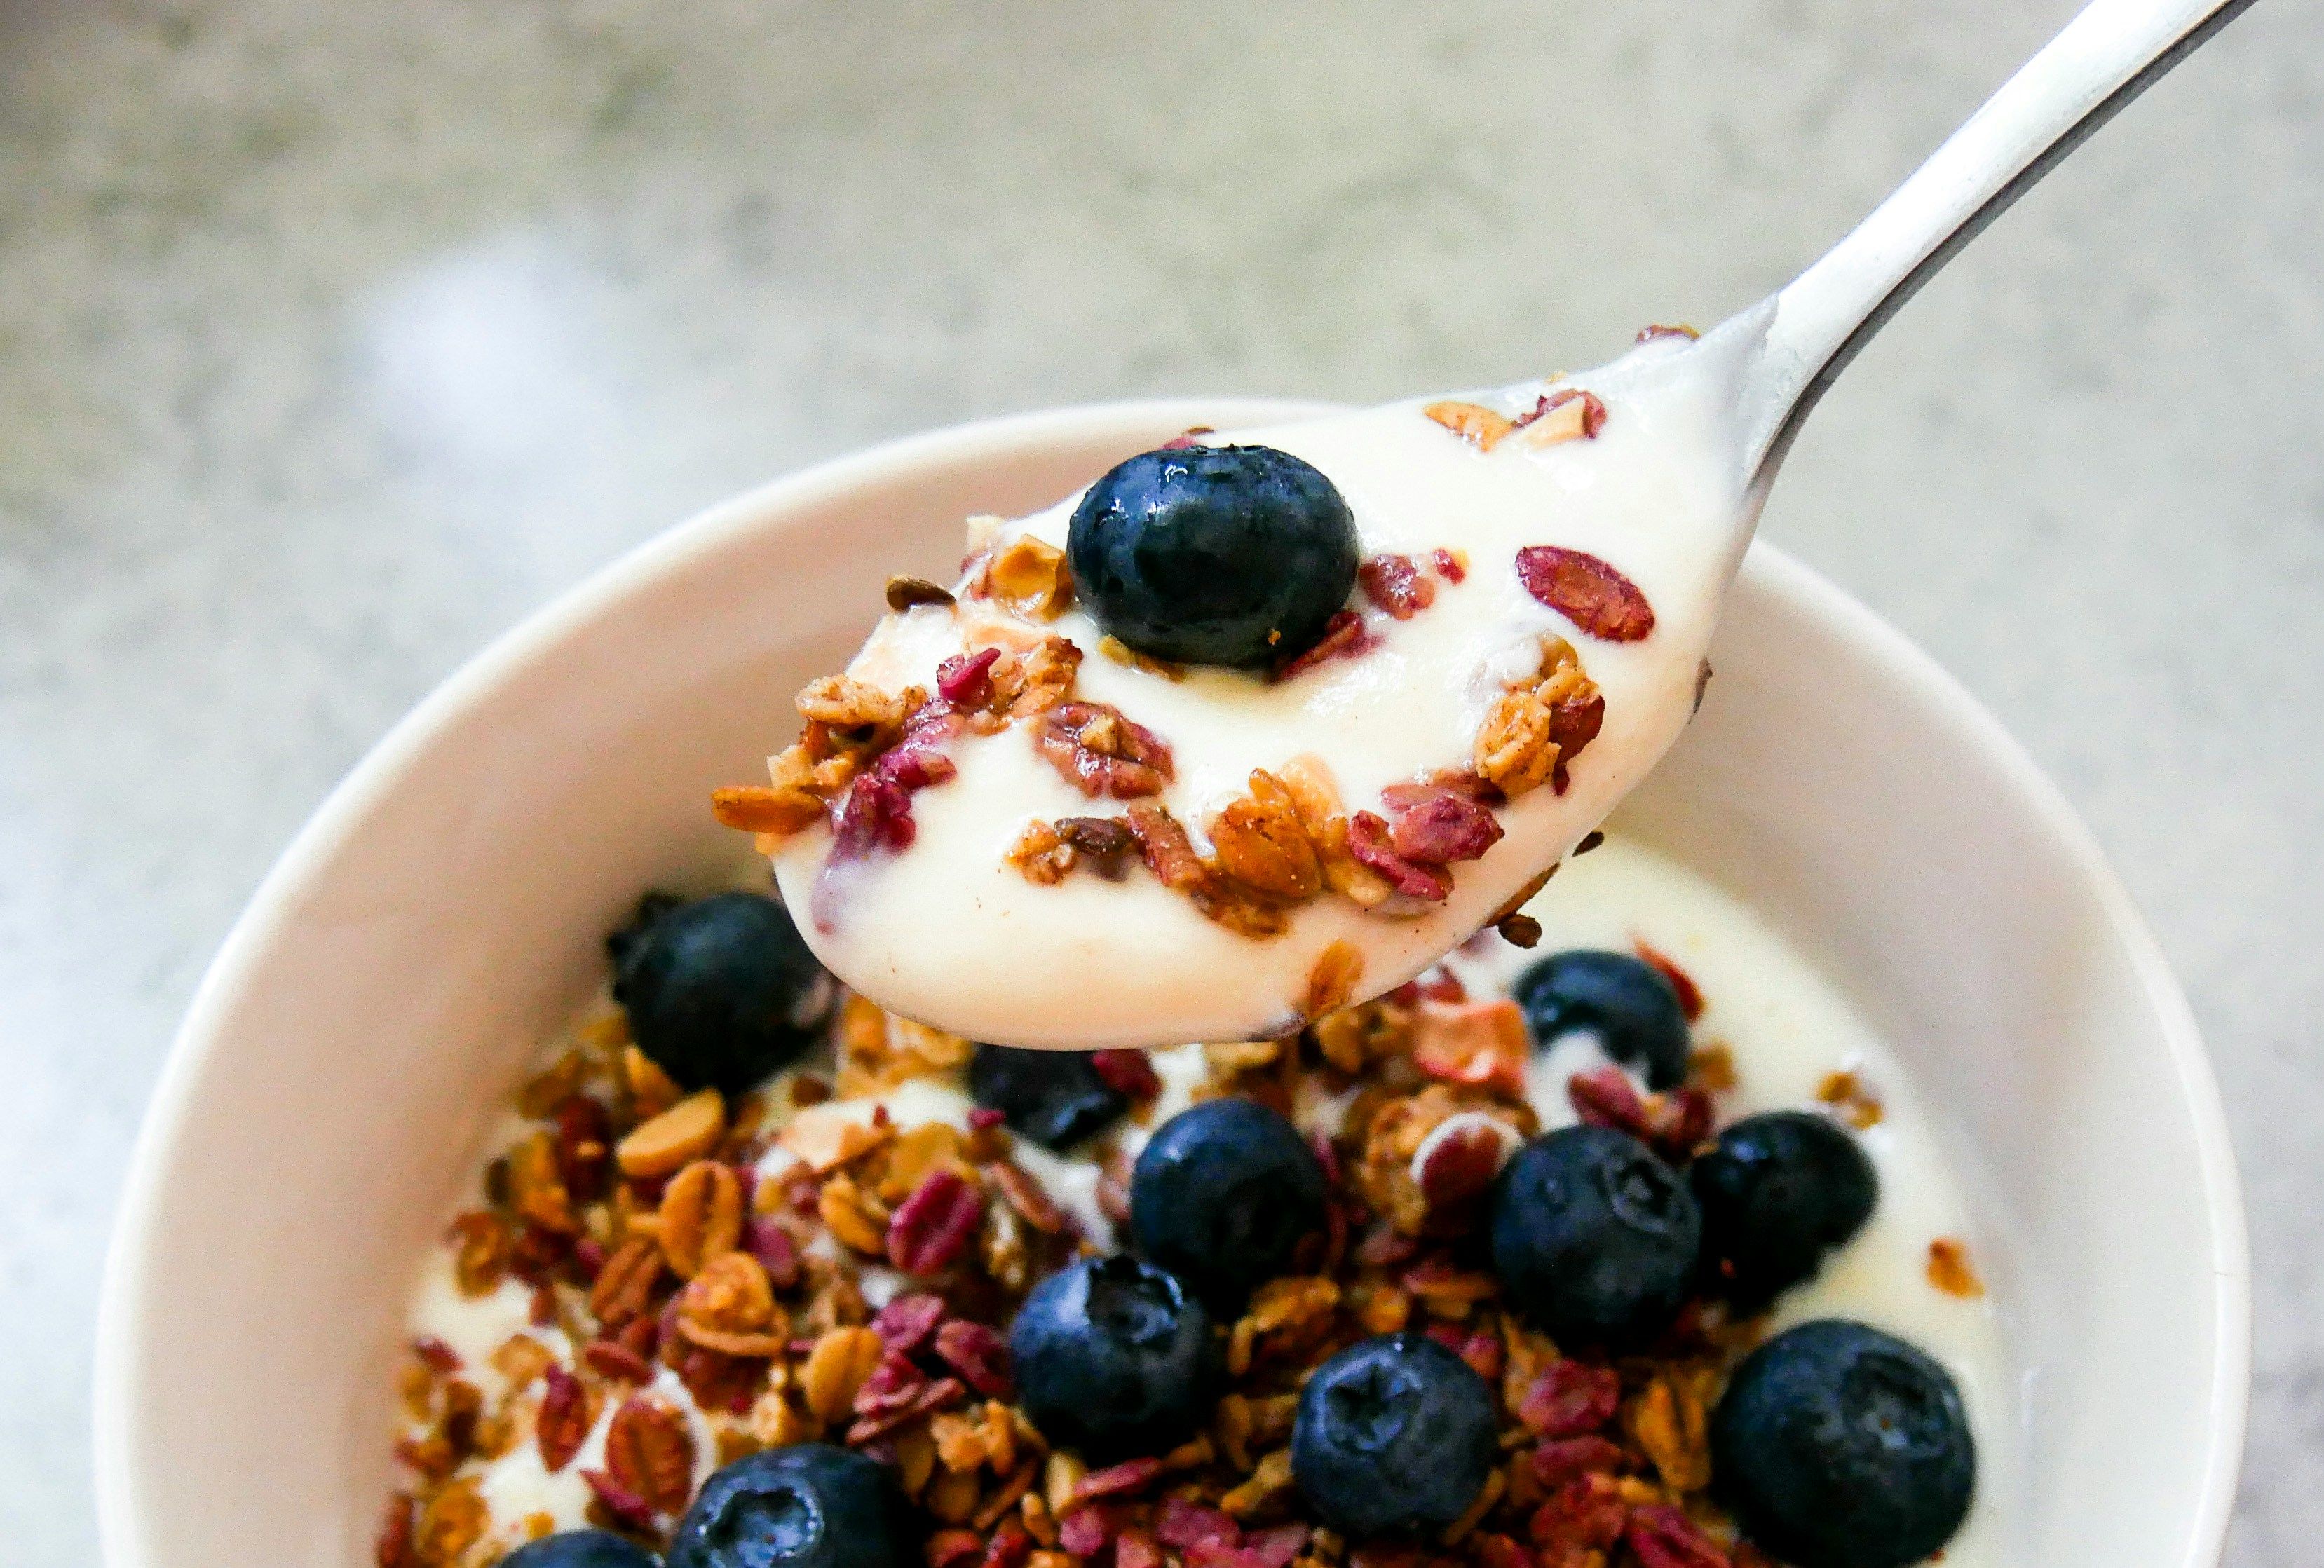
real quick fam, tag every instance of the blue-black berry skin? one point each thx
(1838, 1447)
(581, 1549)
(1234, 555)
(1392, 1436)
(1222, 1195)
(722, 992)
(1056, 1098)
(1624, 1002)
(1595, 1238)
(1778, 1193)
(1112, 1357)
(809, 1505)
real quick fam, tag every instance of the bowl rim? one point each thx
(118, 1491)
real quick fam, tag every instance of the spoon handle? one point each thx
(2105, 57)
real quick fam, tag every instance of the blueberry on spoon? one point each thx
(1838, 1447)
(1393, 1435)
(808, 1505)
(1056, 1098)
(1234, 556)
(1222, 1195)
(721, 993)
(1594, 1237)
(581, 1549)
(1624, 1002)
(1777, 1193)
(1112, 1357)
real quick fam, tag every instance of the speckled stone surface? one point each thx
(333, 337)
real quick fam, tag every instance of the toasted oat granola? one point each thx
(704, 1278)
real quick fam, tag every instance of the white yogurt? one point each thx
(948, 933)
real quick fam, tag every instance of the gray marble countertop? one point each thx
(335, 337)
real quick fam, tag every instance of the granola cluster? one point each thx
(702, 1276)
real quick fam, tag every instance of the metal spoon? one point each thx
(2105, 56)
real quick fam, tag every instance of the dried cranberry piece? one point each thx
(930, 1228)
(1345, 636)
(1127, 1073)
(908, 1322)
(1437, 825)
(1370, 841)
(1596, 597)
(978, 1353)
(1571, 1399)
(965, 679)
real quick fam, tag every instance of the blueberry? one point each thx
(1393, 1434)
(1112, 1357)
(1222, 1195)
(1779, 1192)
(1594, 1237)
(1213, 555)
(721, 993)
(1838, 1447)
(1624, 1002)
(1054, 1098)
(810, 1505)
(581, 1549)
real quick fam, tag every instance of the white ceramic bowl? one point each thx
(446, 906)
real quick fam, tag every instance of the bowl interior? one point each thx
(447, 906)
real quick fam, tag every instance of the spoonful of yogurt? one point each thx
(1266, 722)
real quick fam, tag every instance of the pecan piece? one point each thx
(1262, 842)
(1587, 591)
(1022, 1194)
(650, 1453)
(1100, 752)
(932, 1226)
(1169, 853)
(624, 1287)
(564, 1419)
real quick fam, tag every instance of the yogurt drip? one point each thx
(947, 931)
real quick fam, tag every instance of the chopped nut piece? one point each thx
(1030, 576)
(1855, 1104)
(1041, 855)
(685, 1132)
(762, 808)
(1100, 752)
(1262, 843)
(1333, 978)
(1949, 1269)
(1568, 414)
(1472, 422)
